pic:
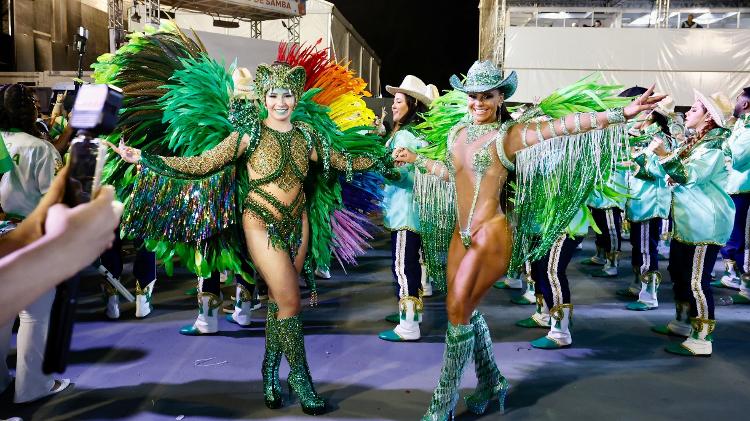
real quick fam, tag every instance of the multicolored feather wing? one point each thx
(339, 206)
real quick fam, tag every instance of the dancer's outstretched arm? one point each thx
(430, 166)
(211, 160)
(524, 135)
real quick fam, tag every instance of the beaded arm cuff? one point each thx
(616, 115)
(564, 127)
(577, 123)
(421, 163)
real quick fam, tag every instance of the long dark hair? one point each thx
(18, 109)
(503, 114)
(414, 111)
(662, 122)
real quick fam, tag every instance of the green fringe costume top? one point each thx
(552, 178)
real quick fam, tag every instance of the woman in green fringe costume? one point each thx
(557, 162)
(256, 177)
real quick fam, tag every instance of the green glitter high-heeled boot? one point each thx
(289, 334)
(459, 343)
(272, 360)
(490, 383)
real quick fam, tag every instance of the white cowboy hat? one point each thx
(243, 83)
(665, 107)
(718, 105)
(414, 87)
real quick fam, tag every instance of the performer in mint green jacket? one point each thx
(703, 215)
(736, 254)
(648, 204)
(739, 182)
(411, 99)
(606, 211)
(553, 298)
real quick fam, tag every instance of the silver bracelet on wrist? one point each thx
(616, 115)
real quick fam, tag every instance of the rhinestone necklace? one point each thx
(476, 131)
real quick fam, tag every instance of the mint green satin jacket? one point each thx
(617, 182)
(739, 144)
(398, 196)
(703, 211)
(649, 195)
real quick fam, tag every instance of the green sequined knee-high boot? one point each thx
(289, 333)
(490, 383)
(459, 343)
(271, 360)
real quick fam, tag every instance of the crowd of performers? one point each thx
(270, 175)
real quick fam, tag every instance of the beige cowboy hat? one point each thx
(665, 107)
(414, 87)
(243, 83)
(718, 105)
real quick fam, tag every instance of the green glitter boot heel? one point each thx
(292, 342)
(490, 382)
(272, 360)
(459, 343)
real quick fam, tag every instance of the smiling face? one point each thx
(280, 104)
(696, 115)
(399, 108)
(483, 106)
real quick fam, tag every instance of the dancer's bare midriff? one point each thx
(472, 270)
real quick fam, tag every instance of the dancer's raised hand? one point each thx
(128, 154)
(645, 102)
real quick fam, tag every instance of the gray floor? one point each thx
(616, 369)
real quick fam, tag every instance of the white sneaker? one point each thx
(143, 306)
(698, 342)
(242, 306)
(407, 330)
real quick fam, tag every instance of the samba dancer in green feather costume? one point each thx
(249, 182)
(557, 162)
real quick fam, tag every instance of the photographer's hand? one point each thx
(73, 238)
(88, 229)
(32, 228)
(128, 154)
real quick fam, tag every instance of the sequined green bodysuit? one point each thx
(272, 168)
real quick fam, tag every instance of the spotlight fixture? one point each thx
(226, 23)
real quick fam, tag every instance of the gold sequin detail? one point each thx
(284, 152)
(208, 161)
(340, 162)
(267, 155)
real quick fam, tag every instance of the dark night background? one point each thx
(429, 39)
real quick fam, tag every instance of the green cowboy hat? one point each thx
(484, 76)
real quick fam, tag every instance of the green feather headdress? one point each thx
(279, 75)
